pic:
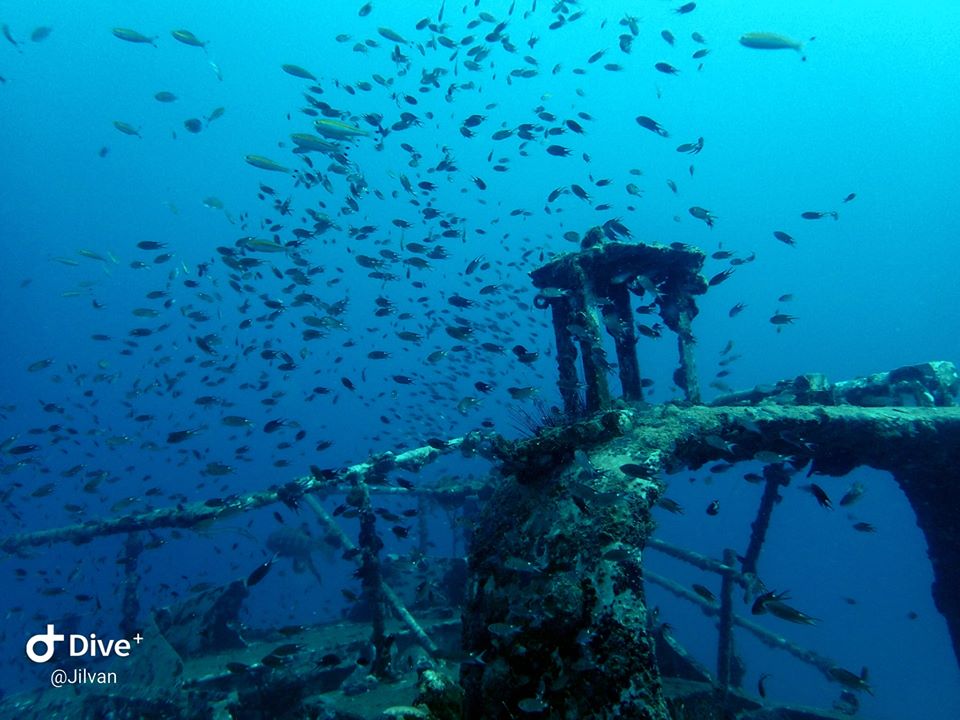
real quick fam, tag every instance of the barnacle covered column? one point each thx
(601, 277)
(556, 621)
(555, 615)
(618, 318)
(678, 308)
(587, 332)
(567, 378)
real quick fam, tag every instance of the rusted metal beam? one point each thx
(919, 446)
(625, 341)
(771, 639)
(725, 626)
(198, 514)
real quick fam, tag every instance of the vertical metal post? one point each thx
(567, 379)
(677, 308)
(625, 340)
(687, 371)
(423, 536)
(372, 582)
(725, 643)
(594, 375)
(130, 607)
(775, 476)
(391, 598)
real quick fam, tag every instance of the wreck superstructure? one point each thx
(550, 619)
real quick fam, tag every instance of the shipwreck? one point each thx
(544, 615)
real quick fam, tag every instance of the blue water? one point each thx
(872, 111)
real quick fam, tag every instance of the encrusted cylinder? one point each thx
(556, 618)
(625, 340)
(568, 381)
(678, 310)
(725, 627)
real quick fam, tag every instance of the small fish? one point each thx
(126, 128)
(272, 661)
(474, 264)
(853, 494)
(820, 494)
(760, 604)
(704, 593)
(273, 425)
(178, 436)
(532, 706)
(132, 36)
(713, 508)
(188, 38)
(264, 163)
(849, 197)
(784, 237)
(522, 393)
(9, 36)
(864, 527)
(652, 125)
(851, 680)
(287, 649)
(635, 471)
(782, 319)
(306, 142)
(720, 277)
(771, 41)
(329, 660)
(298, 71)
(596, 56)
(719, 443)
(670, 505)
(338, 130)
(260, 572)
(39, 365)
(703, 214)
(788, 613)
(817, 214)
(41, 33)
(693, 148)
(761, 685)
(391, 35)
